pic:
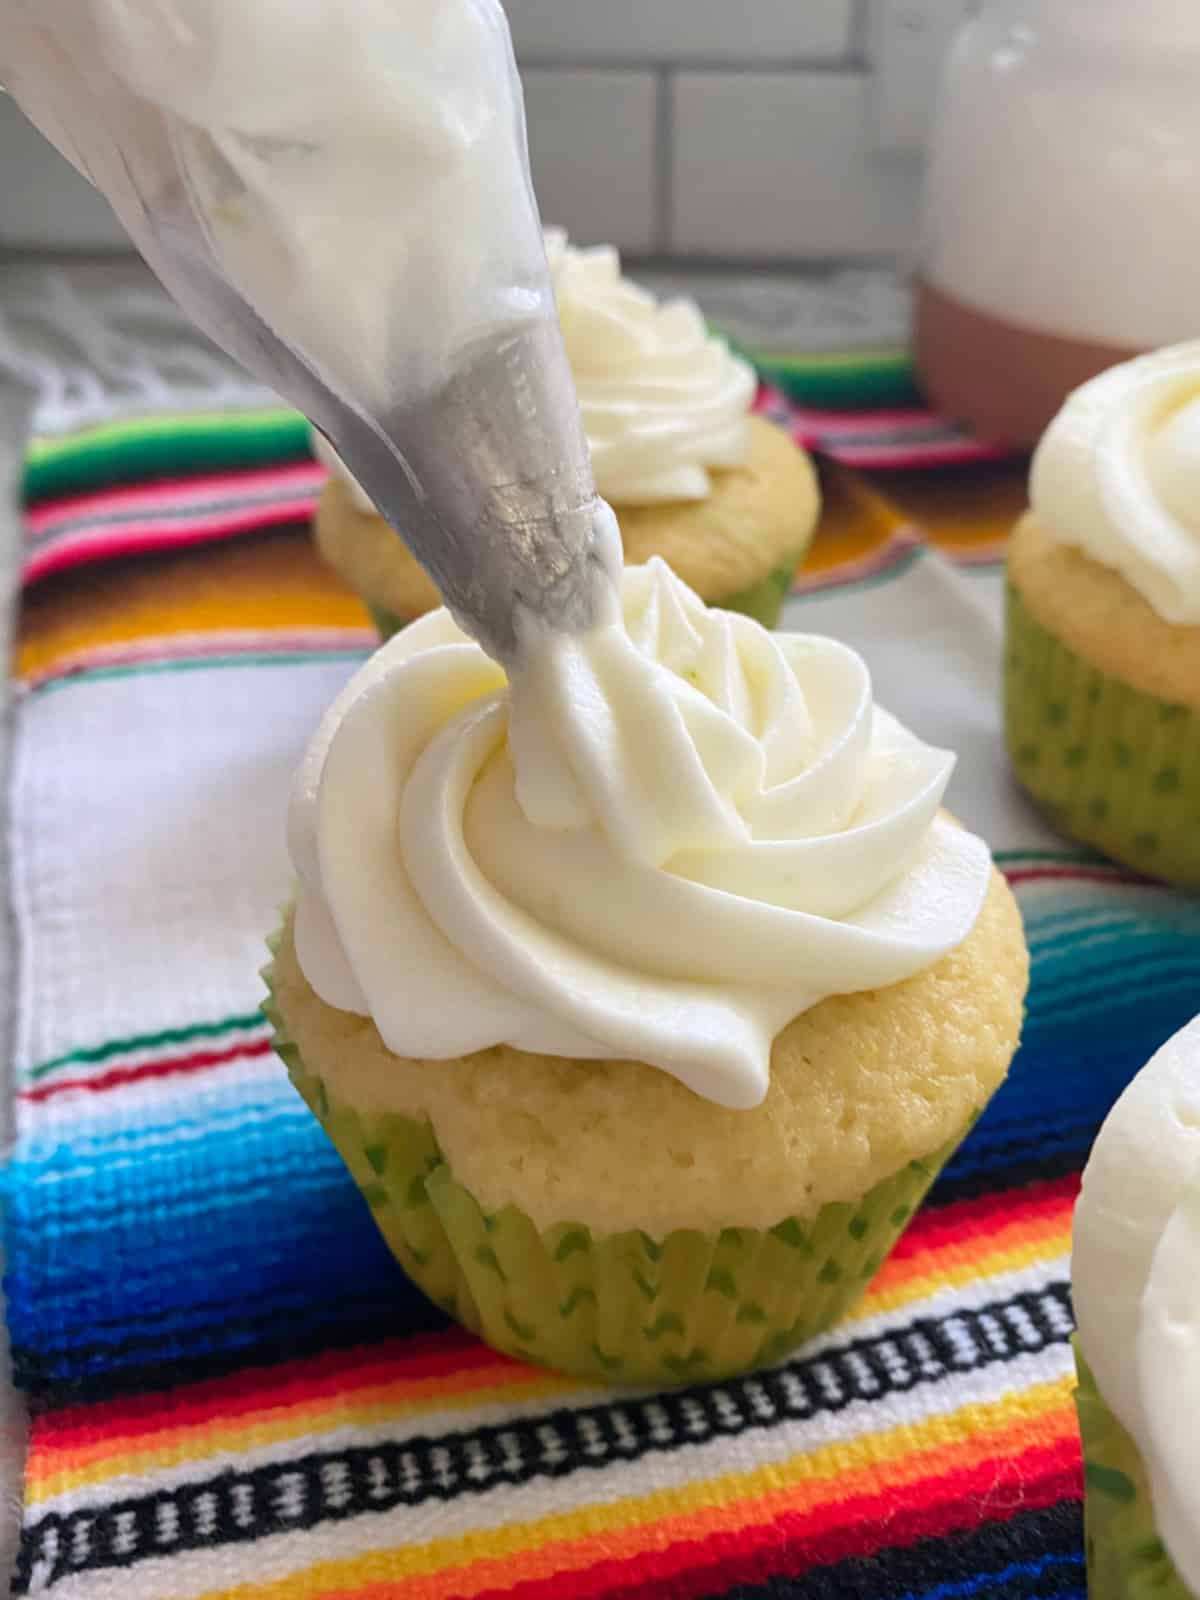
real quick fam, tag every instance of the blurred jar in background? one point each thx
(1062, 208)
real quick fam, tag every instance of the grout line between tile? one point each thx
(860, 31)
(664, 175)
(772, 66)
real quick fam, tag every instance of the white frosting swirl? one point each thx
(661, 841)
(1117, 475)
(1136, 1282)
(663, 401)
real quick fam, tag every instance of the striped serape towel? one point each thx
(235, 1393)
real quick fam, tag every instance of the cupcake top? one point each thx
(658, 841)
(664, 403)
(1136, 1281)
(1117, 475)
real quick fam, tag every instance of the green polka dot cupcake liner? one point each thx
(763, 601)
(1126, 1559)
(387, 623)
(1111, 766)
(626, 1308)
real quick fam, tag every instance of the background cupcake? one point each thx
(1136, 1286)
(1103, 663)
(726, 498)
(641, 1072)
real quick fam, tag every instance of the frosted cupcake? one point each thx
(644, 993)
(726, 498)
(1136, 1285)
(1103, 669)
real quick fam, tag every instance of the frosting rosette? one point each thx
(1117, 475)
(659, 841)
(1135, 1273)
(664, 402)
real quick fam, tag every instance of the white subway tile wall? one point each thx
(44, 203)
(593, 152)
(743, 129)
(785, 165)
(708, 31)
(907, 42)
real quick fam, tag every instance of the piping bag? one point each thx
(337, 192)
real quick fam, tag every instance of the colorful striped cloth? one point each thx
(235, 1392)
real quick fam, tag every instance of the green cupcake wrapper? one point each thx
(763, 601)
(387, 623)
(626, 1308)
(1126, 1559)
(1111, 766)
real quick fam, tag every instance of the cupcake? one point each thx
(1136, 1284)
(726, 498)
(644, 992)
(1103, 655)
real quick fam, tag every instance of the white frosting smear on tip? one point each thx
(661, 841)
(1117, 475)
(1136, 1281)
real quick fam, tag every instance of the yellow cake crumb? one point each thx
(1098, 615)
(860, 1085)
(758, 517)
(364, 551)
